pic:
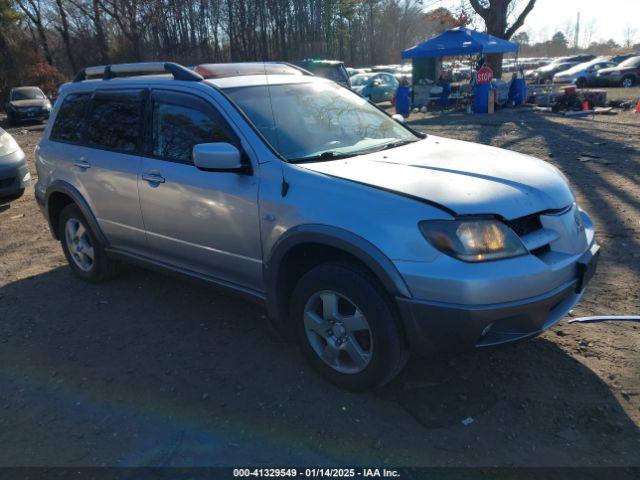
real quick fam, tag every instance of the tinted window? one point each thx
(176, 129)
(69, 121)
(114, 121)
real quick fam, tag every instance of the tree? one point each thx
(560, 40)
(448, 20)
(522, 38)
(629, 34)
(496, 15)
(34, 10)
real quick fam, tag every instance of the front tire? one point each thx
(82, 248)
(347, 326)
(627, 82)
(581, 83)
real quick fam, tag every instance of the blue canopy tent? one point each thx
(460, 41)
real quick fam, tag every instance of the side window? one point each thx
(114, 121)
(178, 128)
(70, 119)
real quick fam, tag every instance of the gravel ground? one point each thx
(152, 370)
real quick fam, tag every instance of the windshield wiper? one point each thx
(397, 143)
(328, 155)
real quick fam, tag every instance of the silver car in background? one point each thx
(366, 240)
(14, 173)
(584, 74)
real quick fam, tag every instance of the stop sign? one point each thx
(485, 75)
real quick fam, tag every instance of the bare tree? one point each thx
(496, 15)
(588, 31)
(63, 29)
(629, 34)
(34, 9)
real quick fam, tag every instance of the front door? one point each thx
(202, 221)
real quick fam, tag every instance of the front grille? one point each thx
(7, 182)
(525, 225)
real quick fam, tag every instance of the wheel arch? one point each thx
(305, 246)
(60, 194)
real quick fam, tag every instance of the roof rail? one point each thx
(107, 72)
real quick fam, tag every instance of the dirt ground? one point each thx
(152, 370)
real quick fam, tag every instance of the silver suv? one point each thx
(366, 240)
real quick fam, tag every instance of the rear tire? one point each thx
(84, 251)
(360, 344)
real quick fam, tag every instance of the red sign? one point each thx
(485, 75)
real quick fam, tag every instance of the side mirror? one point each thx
(217, 157)
(398, 118)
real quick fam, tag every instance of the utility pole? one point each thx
(576, 38)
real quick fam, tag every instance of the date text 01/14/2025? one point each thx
(316, 472)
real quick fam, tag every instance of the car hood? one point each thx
(36, 102)
(462, 177)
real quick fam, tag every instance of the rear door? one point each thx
(203, 221)
(96, 140)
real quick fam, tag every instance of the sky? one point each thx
(605, 18)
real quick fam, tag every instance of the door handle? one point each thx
(153, 177)
(82, 164)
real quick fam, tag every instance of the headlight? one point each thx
(7, 144)
(47, 106)
(473, 240)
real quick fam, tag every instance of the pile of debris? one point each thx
(572, 102)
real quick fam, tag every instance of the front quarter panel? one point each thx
(387, 220)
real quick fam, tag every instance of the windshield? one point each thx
(27, 94)
(337, 73)
(630, 62)
(317, 118)
(359, 80)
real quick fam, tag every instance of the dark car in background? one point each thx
(331, 69)
(545, 74)
(27, 104)
(626, 75)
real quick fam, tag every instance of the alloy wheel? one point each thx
(338, 332)
(79, 244)
(627, 83)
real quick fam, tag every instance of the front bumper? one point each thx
(30, 115)
(438, 327)
(14, 176)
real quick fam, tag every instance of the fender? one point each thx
(359, 247)
(61, 186)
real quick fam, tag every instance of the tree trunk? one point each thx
(101, 39)
(64, 32)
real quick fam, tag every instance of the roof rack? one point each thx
(107, 72)
(239, 69)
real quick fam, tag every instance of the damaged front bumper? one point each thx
(438, 327)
